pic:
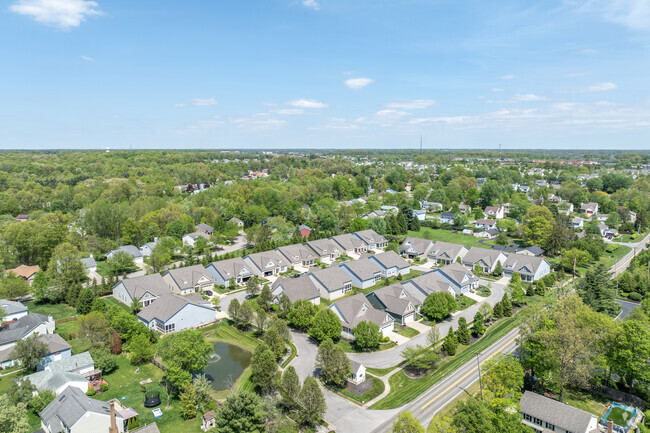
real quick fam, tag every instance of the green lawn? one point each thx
(57, 311)
(377, 388)
(631, 238)
(349, 347)
(447, 236)
(382, 283)
(464, 302)
(586, 401)
(484, 291)
(110, 301)
(406, 331)
(383, 371)
(403, 389)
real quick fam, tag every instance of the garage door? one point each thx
(409, 318)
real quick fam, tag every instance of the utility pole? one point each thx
(480, 379)
(499, 151)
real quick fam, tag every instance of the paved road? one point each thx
(627, 308)
(388, 358)
(624, 263)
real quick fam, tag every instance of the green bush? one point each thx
(611, 248)
(385, 339)
(634, 296)
(104, 387)
(91, 391)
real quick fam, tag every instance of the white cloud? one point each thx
(506, 77)
(530, 97)
(203, 102)
(311, 4)
(444, 120)
(88, 59)
(288, 111)
(412, 105)
(306, 103)
(258, 123)
(60, 13)
(358, 83)
(497, 89)
(179, 105)
(600, 87)
(634, 14)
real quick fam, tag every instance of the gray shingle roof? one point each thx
(357, 309)
(489, 256)
(296, 252)
(416, 245)
(332, 278)
(297, 288)
(323, 247)
(457, 273)
(370, 237)
(205, 228)
(231, 268)
(264, 259)
(423, 285)
(364, 269)
(12, 307)
(89, 262)
(166, 306)
(348, 241)
(390, 259)
(20, 328)
(129, 249)
(522, 263)
(69, 407)
(188, 276)
(395, 299)
(445, 250)
(151, 428)
(559, 414)
(53, 380)
(73, 363)
(138, 286)
(54, 342)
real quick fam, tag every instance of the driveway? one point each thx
(628, 307)
(391, 357)
(419, 326)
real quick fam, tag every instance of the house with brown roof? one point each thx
(25, 272)
(496, 212)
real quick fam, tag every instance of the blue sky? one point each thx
(325, 74)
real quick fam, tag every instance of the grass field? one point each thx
(377, 388)
(110, 301)
(57, 311)
(383, 371)
(407, 332)
(447, 236)
(586, 401)
(464, 302)
(352, 348)
(403, 389)
(392, 280)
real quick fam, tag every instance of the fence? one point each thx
(623, 397)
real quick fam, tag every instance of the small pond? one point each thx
(226, 364)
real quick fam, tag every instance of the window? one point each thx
(538, 421)
(347, 287)
(171, 327)
(527, 417)
(550, 426)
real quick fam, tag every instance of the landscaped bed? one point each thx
(406, 331)
(350, 347)
(376, 388)
(464, 302)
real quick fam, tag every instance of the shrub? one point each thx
(104, 386)
(635, 296)
(385, 339)
(91, 391)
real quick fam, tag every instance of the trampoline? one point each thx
(152, 399)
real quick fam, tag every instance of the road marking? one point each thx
(468, 373)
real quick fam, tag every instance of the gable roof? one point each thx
(263, 259)
(370, 236)
(296, 288)
(423, 285)
(363, 269)
(447, 215)
(20, 328)
(54, 342)
(445, 250)
(488, 256)
(231, 268)
(323, 247)
(417, 245)
(166, 306)
(296, 252)
(188, 277)
(24, 271)
(357, 308)
(390, 259)
(74, 362)
(332, 278)
(129, 249)
(486, 222)
(396, 299)
(559, 414)
(89, 262)
(138, 286)
(348, 241)
(205, 228)
(12, 307)
(522, 263)
(457, 273)
(69, 407)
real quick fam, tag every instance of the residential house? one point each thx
(296, 288)
(431, 206)
(447, 218)
(145, 289)
(423, 285)
(332, 282)
(25, 272)
(266, 264)
(208, 230)
(461, 280)
(577, 223)
(235, 220)
(532, 250)
(73, 411)
(57, 348)
(544, 414)
(589, 208)
(601, 217)
(396, 301)
(485, 224)
(374, 214)
(171, 313)
(21, 217)
(388, 209)
(22, 328)
(486, 259)
(445, 253)
(357, 372)
(631, 217)
(304, 230)
(90, 264)
(131, 250)
(355, 309)
(610, 233)
(372, 239)
(147, 248)
(13, 310)
(74, 371)
(566, 208)
(529, 267)
(326, 249)
(189, 279)
(297, 255)
(390, 264)
(350, 243)
(465, 209)
(524, 188)
(231, 269)
(364, 273)
(415, 247)
(420, 214)
(496, 212)
(190, 238)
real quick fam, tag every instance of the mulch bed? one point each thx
(359, 389)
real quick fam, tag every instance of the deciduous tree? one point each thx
(325, 324)
(333, 363)
(366, 335)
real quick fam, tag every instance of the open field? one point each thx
(447, 236)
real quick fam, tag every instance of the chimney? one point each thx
(113, 428)
(610, 426)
